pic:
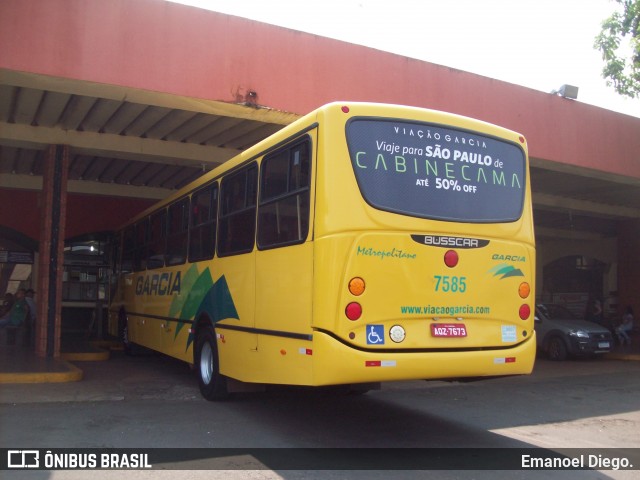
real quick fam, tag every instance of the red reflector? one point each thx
(525, 311)
(372, 363)
(510, 360)
(451, 258)
(353, 311)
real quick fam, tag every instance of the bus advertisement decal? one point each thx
(506, 271)
(382, 254)
(158, 284)
(205, 296)
(446, 241)
(449, 310)
(437, 172)
(178, 301)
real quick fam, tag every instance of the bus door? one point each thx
(233, 271)
(284, 262)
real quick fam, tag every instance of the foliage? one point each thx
(623, 73)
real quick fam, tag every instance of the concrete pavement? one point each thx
(20, 364)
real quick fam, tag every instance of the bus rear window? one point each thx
(430, 171)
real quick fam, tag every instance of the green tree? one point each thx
(623, 73)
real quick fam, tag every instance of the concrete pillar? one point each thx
(629, 266)
(51, 251)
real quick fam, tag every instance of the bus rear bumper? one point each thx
(336, 363)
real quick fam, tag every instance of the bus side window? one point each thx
(283, 216)
(238, 211)
(178, 232)
(157, 240)
(141, 245)
(203, 224)
(128, 245)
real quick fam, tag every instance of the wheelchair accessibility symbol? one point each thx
(375, 334)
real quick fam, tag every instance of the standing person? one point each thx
(596, 315)
(31, 320)
(626, 326)
(18, 315)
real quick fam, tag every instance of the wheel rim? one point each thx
(206, 363)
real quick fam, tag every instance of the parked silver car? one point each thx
(560, 333)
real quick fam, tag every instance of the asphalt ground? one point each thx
(153, 401)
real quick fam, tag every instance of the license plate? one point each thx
(448, 330)
(603, 345)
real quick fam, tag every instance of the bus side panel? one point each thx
(282, 311)
(177, 340)
(283, 301)
(279, 360)
(199, 285)
(142, 330)
(236, 348)
(163, 306)
(146, 299)
(178, 307)
(331, 257)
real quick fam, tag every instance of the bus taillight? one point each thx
(356, 286)
(353, 311)
(525, 311)
(451, 258)
(524, 290)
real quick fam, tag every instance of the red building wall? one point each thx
(165, 47)
(20, 210)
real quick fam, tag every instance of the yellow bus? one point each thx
(362, 243)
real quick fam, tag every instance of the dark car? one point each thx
(560, 333)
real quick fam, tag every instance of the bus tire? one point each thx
(213, 385)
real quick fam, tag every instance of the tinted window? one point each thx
(178, 230)
(430, 171)
(128, 246)
(283, 217)
(157, 239)
(141, 245)
(238, 211)
(202, 232)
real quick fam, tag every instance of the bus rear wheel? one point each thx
(213, 385)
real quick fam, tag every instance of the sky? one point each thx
(539, 44)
